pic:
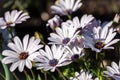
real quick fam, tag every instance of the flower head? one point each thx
(83, 76)
(113, 71)
(66, 7)
(10, 19)
(51, 58)
(63, 35)
(21, 53)
(83, 24)
(74, 54)
(54, 22)
(103, 38)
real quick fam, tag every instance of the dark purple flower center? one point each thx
(23, 55)
(99, 45)
(75, 57)
(66, 40)
(53, 62)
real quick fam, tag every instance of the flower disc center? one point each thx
(8, 23)
(66, 40)
(53, 62)
(75, 57)
(23, 55)
(99, 45)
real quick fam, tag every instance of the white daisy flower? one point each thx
(10, 19)
(83, 24)
(66, 7)
(54, 22)
(74, 54)
(83, 76)
(113, 71)
(102, 38)
(63, 35)
(21, 53)
(51, 58)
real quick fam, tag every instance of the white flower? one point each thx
(74, 53)
(66, 7)
(15, 17)
(21, 53)
(54, 22)
(63, 35)
(83, 24)
(51, 58)
(113, 71)
(83, 76)
(103, 38)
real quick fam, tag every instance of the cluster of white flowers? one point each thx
(67, 41)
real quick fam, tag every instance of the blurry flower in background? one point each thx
(103, 38)
(66, 7)
(6, 37)
(21, 53)
(113, 71)
(81, 25)
(75, 53)
(63, 35)
(51, 58)
(54, 22)
(13, 18)
(83, 76)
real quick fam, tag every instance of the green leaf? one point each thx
(39, 78)
(7, 4)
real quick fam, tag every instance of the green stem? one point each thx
(7, 72)
(45, 74)
(16, 78)
(69, 16)
(32, 74)
(25, 72)
(52, 76)
(2, 76)
(10, 30)
(61, 74)
(97, 56)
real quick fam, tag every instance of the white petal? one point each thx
(8, 60)
(21, 65)
(16, 15)
(18, 43)
(9, 53)
(112, 42)
(7, 16)
(110, 36)
(28, 64)
(25, 42)
(14, 47)
(14, 66)
(105, 30)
